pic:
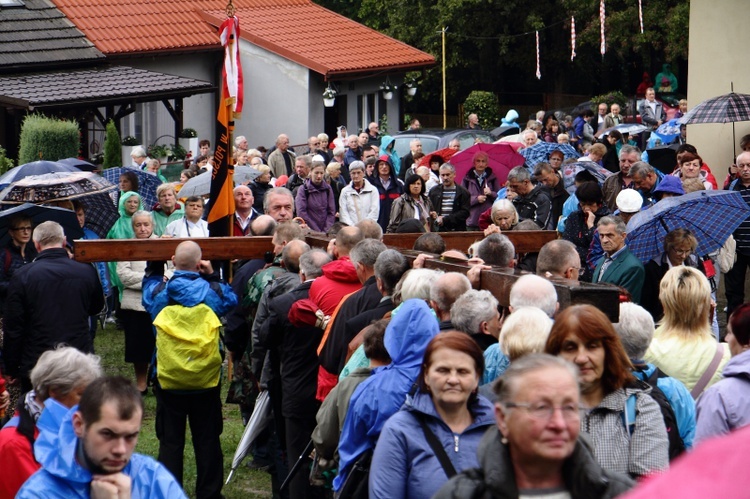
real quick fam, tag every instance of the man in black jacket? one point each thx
(49, 302)
(296, 348)
(450, 202)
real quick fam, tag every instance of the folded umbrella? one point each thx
(258, 422)
(38, 214)
(502, 159)
(711, 216)
(539, 152)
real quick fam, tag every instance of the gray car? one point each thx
(434, 139)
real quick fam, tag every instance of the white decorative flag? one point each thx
(538, 72)
(603, 47)
(572, 38)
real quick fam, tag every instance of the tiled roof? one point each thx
(103, 85)
(299, 30)
(36, 33)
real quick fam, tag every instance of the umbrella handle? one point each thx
(297, 465)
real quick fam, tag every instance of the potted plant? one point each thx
(329, 96)
(387, 88)
(411, 86)
(129, 142)
(159, 151)
(188, 139)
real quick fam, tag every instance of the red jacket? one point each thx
(338, 280)
(16, 461)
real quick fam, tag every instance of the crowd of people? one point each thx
(404, 380)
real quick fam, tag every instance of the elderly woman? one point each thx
(412, 204)
(536, 449)
(153, 166)
(316, 201)
(503, 216)
(684, 346)
(725, 406)
(59, 378)
(624, 423)
(260, 186)
(679, 249)
(130, 202)
(482, 185)
(241, 158)
(444, 419)
(523, 332)
(137, 323)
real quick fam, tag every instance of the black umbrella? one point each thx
(663, 158)
(81, 164)
(39, 214)
(33, 168)
(504, 130)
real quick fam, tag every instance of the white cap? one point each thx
(318, 159)
(629, 201)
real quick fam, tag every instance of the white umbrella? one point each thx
(200, 185)
(258, 422)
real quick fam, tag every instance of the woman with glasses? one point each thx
(445, 411)
(623, 422)
(536, 449)
(16, 253)
(679, 249)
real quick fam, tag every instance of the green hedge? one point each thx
(112, 147)
(47, 138)
(486, 106)
(5, 162)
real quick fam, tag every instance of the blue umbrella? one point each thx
(623, 128)
(710, 215)
(39, 214)
(147, 183)
(668, 131)
(34, 168)
(540, 152)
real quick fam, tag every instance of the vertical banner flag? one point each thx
(603, 47)
(538, 72)
(572, 38)
(221, 207)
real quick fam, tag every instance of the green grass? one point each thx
(246, 483)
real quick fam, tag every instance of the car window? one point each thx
(429, 144)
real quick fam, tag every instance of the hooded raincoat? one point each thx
(61, 475)
(404, 465)
(381, 395)
(386, 141)
(122, 229)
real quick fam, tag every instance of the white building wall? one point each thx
(716, 59)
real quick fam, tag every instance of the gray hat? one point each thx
(356, 165)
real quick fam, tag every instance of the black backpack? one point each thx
(676, 445)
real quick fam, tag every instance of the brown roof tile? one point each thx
(299, 30)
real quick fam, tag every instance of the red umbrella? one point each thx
(445, 154)
(503, 158)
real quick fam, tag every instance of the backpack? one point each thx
(188, 355)
(676, 445)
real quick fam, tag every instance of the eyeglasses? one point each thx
(544, 412)
(22, 229)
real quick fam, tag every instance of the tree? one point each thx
(112, 147)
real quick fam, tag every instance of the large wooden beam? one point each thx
(525, 241)
(497, 280)
(214, 248)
